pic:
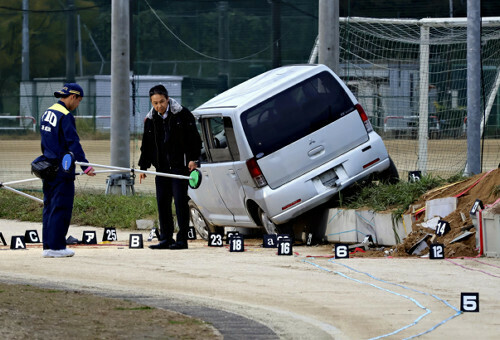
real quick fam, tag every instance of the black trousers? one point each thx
(166, 189)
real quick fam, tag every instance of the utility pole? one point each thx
(473, 165)
(276, 32)
(328, 21)
(120, 89)
(70, 41)
(222, 81)
(25, 59)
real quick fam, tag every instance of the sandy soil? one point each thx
(307, 295)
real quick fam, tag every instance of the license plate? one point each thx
(328, 178)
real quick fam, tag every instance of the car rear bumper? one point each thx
(318, 186)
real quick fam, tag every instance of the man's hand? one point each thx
(141, 177)
(192, 165)
(90, 171)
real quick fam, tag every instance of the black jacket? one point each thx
(170, 143)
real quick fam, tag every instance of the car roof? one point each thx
(262, 86)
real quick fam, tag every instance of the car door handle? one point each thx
(316, 151)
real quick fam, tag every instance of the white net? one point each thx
(404, 70)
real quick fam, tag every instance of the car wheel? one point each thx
(389, 175)
(268, 225)
(200, 224)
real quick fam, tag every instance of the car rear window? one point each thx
(295, 113)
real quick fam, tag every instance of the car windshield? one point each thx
(295, 113)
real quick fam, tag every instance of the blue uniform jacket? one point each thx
(59, 136)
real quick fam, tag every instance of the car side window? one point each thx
(219, 140)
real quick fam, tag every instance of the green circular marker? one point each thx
(195, 179)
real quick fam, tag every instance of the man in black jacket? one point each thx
(172, 144)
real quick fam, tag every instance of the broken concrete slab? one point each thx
(463, 236)
(441, 207)
(419, 246)
(352, 226)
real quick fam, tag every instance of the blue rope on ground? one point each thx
(427, 311)
(347, 231)
(458, 312)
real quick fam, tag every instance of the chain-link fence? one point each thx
(200, 48)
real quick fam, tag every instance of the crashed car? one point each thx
(279, 145)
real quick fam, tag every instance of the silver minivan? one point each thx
(280, 144)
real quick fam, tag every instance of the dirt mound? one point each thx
(484, 186)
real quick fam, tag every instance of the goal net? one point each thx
(410, 76)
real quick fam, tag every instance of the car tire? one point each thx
(267, 224)
(389, 175)
(271, 228)
(202, 227)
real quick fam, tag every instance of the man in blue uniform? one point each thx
(59, 137)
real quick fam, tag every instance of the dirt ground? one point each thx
(30, 312)
(308, 295)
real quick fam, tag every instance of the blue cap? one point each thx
(69, 88)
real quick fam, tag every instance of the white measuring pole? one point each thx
(134, 170)
(20, 181)
(22, 193)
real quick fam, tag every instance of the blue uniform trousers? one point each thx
(166, 188)
(57, 209)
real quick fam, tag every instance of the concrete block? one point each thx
(341, 226)
(351, 226)
(145, 224)
(491, 231)
(441, 207)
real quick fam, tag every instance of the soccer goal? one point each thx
(411, 78)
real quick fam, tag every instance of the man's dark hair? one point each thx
(158, 89)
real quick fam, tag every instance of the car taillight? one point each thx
(256, 173)
(364, 118)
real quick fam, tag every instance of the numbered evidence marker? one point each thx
(109, 234)
(2, 239)
(436, 251)
(414, 176)
(230, 234)
(135, 241)
(31, 236)
(215, 240)
(270, 241)
(153, 233)
(17, 242)
(469, 302)
(236, 243)
(478, 205)
(191, 233)
(89, 237)
(341, 251)
(284, 245)
(309, 239)
(442, 227)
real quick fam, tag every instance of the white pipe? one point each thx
(134, 170)
(22, 193)
(20, 181)
(96, 172)
(36, 178)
